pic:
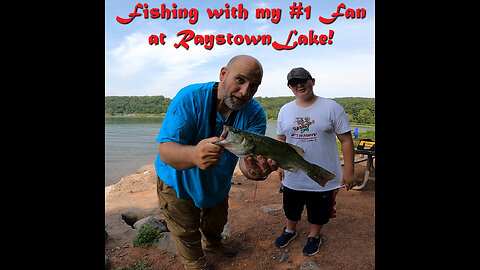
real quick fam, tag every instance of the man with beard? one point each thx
(194, 175)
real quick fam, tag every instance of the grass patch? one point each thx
(146, 237)
(369, 134)
(142, 264)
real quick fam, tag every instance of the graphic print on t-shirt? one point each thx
(303, 126)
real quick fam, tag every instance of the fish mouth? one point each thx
(227, 133)
(225, 138)
(224, 134)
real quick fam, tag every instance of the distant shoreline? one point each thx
(162, 115)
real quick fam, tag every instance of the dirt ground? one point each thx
(349, 238)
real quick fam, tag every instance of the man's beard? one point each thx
(229, 101)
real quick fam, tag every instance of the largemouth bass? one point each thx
(288, 156)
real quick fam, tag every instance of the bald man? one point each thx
(194, 175)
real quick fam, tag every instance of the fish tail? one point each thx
(319, 174)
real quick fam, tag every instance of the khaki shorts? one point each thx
(191, 226)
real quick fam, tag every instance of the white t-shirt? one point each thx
(314, 129)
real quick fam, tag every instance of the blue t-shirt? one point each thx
(187, 122)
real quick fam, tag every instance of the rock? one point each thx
(144, 180)
(165, 242)
(150, 220)
(310, 265)
(281, 257)
(106, 262)
(272, 209)
(108, 189)
(124, 208)
(130, 216)
(150, 168)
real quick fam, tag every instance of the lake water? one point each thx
(130, 143)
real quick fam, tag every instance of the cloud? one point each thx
(136, 68)
(264, 29)
(134, 55)
(336, 76)
(160, 67)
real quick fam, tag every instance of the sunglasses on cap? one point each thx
(295, 82)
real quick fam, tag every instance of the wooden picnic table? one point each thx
(370, 155)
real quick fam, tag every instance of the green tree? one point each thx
(358, 109)
(365, 116)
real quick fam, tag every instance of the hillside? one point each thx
(359, 110)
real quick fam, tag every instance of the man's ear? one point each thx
(313, 81)
(223, 73)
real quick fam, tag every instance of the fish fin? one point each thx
(299, 150)
(319, 175)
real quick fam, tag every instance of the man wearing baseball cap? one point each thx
(312, 123)
(299, 74)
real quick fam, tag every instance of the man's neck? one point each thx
(223, 110)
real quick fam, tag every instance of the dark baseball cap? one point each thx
(298, 73)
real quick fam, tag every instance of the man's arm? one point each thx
(348, 157)
(205, 154)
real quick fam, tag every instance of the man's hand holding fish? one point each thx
(257, 169)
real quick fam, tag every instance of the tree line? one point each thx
(359, 110)
(122, 105)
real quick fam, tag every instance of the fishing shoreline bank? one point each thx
(162, 115)
(254, 210)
